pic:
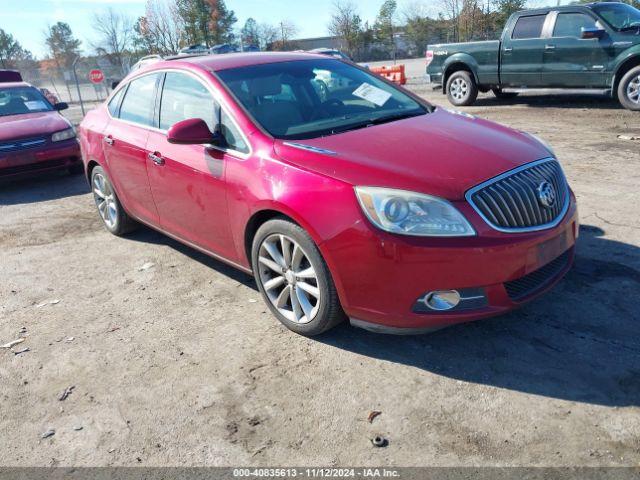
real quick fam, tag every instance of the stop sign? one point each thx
(96, 76)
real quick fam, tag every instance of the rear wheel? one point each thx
(503, 95)
(629, 89)
(461, 88)
(113, 216)
(293, 278)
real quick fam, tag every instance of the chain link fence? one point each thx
(69, 84)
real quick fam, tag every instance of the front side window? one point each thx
(185, 97)
(620, 16)
(309, 98)
(528, 27)
(571, 24)
(137, 106)
(114, 103)
(21, 100)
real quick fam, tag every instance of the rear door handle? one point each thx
(508, 49)
(108, 140)
(549, 47)
(156, 158)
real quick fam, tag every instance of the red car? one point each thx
(369, 204)
(33, 134)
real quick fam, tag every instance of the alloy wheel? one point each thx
(288, 278)
(633, 90)
(105, 200)
(459, 88)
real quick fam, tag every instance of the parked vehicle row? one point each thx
(33, 134)
(594, 47)
(359, 201)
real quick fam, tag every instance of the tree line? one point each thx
(169, 25)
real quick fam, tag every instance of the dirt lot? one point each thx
(179, 363)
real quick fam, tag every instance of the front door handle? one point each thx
(549, 47)
(108, 140)
(156, 158)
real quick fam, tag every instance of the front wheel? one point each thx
(294, 279)
(629, 89)
(461, 89)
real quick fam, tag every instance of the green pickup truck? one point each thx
(592, 47)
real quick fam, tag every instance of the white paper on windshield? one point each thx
(372, 94)
(35, 105)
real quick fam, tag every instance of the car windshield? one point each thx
(311, 98)
(619, 15)
(19, 100)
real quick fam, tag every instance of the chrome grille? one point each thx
(513, 201)
(22, 144)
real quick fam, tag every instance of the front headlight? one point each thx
(409, 213)
(544, 143)
(63, 135)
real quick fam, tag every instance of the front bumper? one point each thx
(50, 156)
(381, 277)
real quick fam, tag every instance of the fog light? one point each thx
(442, 299)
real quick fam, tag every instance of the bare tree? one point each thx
(267, 34)
(164, 25)
(116, 33)
(346, 23)
(451, 13)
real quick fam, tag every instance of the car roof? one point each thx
(235, 60)
(14, 84)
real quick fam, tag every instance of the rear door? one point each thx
(125, 139)
(522, 52)
(571, 61)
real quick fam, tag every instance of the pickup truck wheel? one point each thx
(629, 89)
(503, 95)
(461, 88)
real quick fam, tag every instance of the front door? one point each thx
(188, 181)
(571, 61)
(521, 55)
(125, 140)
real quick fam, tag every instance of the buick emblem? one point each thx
(546, 194)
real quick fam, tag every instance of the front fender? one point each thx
(623, 58)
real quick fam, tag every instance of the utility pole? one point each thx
(282, 30)
(75, 76)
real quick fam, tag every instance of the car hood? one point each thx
(443, 153)
(31, 125)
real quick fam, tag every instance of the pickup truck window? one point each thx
(571, 24)
(528, 27)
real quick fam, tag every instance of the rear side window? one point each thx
(528, 27)
(184, 97)
(115, 102)
(571, 24)
(137, 105)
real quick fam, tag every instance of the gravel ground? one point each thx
(174, 359)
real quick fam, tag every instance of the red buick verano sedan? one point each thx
(353, 199)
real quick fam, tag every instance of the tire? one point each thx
(113, 216)
(503, 95)
(629, 89)
(284, 257)
(461, 89)
(76, 169)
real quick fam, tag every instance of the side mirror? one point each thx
(588, 33)
(61, 106)
(192, 131)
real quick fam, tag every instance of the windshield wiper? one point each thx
(376, 121)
